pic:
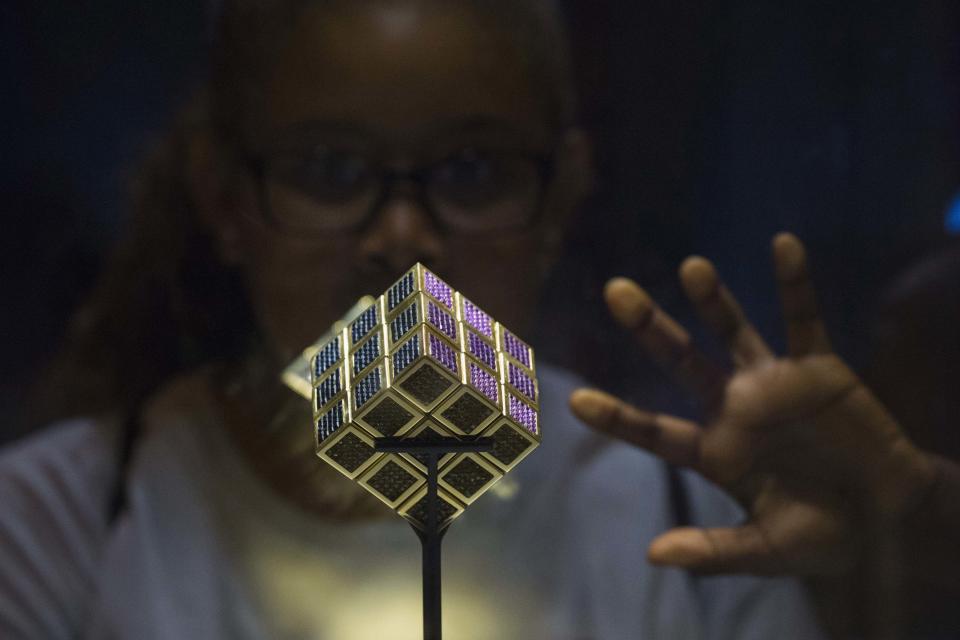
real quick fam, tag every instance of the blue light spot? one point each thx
(952, 222)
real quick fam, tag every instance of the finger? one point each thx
(805, 331)
(741, 549)
(675, 440)
(721, 312)
(664, 340)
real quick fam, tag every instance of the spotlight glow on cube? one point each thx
(420, 361)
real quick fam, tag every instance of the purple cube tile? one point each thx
(477, 319)
(442, 320)
(523, 414)
(484, 382)
(481, 350)
(438, 288)
(516, 348)
(443, 353)
(521, 381)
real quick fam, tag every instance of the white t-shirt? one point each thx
(204, 550)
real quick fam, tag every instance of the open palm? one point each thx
(798, 440)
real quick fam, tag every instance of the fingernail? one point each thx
(586, 404)
(698, 277)
(627, 301)
(790, 255)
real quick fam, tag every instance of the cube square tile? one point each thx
(421, 309)
(418, 279)
(428, 430)
(511, 444)
(350, 451)
(468, 476)
(415, 508)
(392, 479)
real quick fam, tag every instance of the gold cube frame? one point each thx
(420, 361)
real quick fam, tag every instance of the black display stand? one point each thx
(431, 536)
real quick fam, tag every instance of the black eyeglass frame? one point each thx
(388, 179)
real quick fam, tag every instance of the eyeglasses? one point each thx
(327, 189)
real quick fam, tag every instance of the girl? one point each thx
(337, 143)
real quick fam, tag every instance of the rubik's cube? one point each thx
(423, 361)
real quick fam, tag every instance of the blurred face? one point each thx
(391, 135)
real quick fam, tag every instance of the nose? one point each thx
(401, 234)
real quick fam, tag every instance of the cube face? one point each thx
(423, 362)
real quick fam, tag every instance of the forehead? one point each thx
(404, 72)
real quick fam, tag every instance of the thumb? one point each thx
(743, 549)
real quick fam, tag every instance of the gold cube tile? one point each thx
(511, 444)
(466, 412)
(415, 508)
(392, 479)
(425, 368)
(350, 450)
(468, 476)
(428, 430)
(389, 415)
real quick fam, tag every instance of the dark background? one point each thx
(717, 124)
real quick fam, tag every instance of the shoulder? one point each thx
(54, 487)
(82, 443)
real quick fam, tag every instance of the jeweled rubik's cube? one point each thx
(423, 361)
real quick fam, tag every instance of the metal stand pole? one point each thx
(431, 536)
(430, 541)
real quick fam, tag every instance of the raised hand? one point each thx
(798, 440)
